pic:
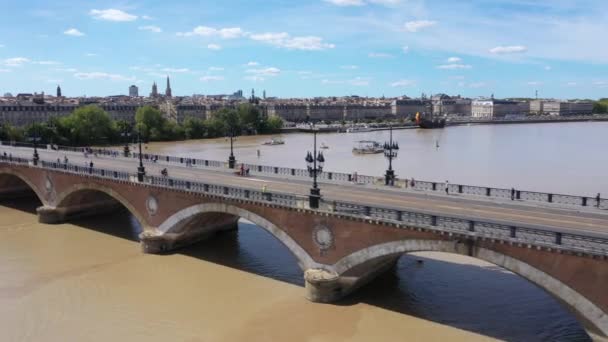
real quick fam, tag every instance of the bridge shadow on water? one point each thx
(451, 290)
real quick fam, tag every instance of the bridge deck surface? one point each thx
(514, 213)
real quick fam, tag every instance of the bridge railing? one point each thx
(342, 178)
(477, 228)
(525, 234)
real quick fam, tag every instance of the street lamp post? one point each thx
(231, 159)
(126, 135)
(390, 152)
(141, 171)
(35, 139)
(314, 162)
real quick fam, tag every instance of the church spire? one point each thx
(168, 89)
(58, 91)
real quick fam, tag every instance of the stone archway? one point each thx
(175, 225)
(86, 199)
(594, 318)
(14, 173)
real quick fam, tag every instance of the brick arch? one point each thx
(584, 308)
(65, 195)
(26, 180)
(169, 226)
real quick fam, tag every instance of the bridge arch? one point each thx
(584, 308)
(5, 172)
(70, 197)
(177, 221)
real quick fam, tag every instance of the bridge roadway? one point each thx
(577, 221)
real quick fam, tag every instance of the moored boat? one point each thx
(368, 147)
(274, 141)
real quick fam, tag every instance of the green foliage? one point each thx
(150, 122)
(601, 106)
(215, 127)
(230, 119)
(88, 125)
(274, 124)
(194, 128)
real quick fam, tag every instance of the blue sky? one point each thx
(509, 48)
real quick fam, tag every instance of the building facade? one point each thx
(133, 91)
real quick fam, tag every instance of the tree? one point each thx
(215, 127)
(88, 125)
(601, 106)
(274, 124)
(230, 119)
(150, 123)
(194, 128)
(250, 117)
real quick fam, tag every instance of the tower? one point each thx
(58, 91)
(264, 94)
(133, 91)
(168, 89)
(154, 92)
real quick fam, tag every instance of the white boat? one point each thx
(323, 146)
(274, 141)
(357, 129)
(368, 147)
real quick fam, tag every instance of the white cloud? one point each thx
(54, 81)
(15, 61)
(271, 71)
(102, 76)
(454, 60)
(176, 70)
(252, 64)
(73, 32)
(601, 84)
(508, 49)
(47, 63)
(66, 69)
(214, 47)
(90, 54)
(534, 83)
(548, 68)
(415, 26)
(147, 17)
(255, 78)
(284, 40)
(151, 28)
(385, 2)
(454, 66)
(206, 31)
(349, 67)
(1, 45)
(572, 84)
(112, 14)
(359, 82)
(212, 78)
(216, 69)
(5, 70)
(477, 85)
(379, 55)
(403, 83)
(405, 49)
(346, 2)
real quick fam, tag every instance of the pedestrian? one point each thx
(91, 164)
(355, 177)
(247, 171)
(258, 153)
(512, 194)
(242, 169)
(58, 161)
(598, 199)
(447, 187)
(406, 183)
(264, 189)
(65, 159)
(412, 183)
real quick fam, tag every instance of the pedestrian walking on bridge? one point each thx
(598, 199)
(447, 187)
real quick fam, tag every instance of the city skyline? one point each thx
(509, 48)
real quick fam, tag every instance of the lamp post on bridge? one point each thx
(231, 158)
(390, 152)
(126, 134)
(141, 171)
(314, 162)
(35, 139)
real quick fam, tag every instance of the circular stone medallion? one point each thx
(152, 205)
(323, 237)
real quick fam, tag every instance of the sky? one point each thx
(509, 48)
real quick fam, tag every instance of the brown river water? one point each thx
(88, 281)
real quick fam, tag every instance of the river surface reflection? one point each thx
(88, 280)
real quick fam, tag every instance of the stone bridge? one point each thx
(338, 247)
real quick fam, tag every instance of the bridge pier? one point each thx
(323, 286)
(56, 215)
(153, 242)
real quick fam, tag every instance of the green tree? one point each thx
(215, 127)
(274, 124)
(150, 123)
(250, 117)
(600, 107)
(88, 125)
(230, 119)
(194, 128)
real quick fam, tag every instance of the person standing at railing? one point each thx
(598, 199)
(447, 187)
(412, 183)
(65, 159)
(512, 194)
